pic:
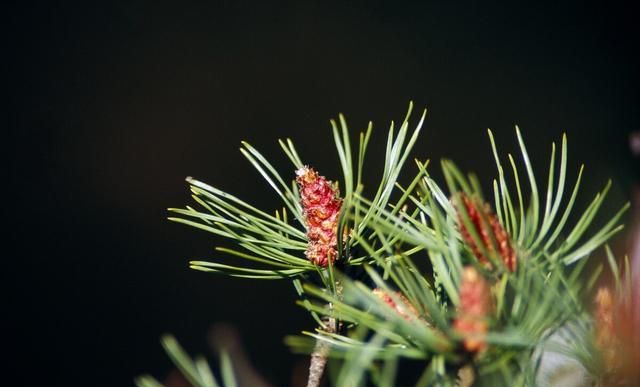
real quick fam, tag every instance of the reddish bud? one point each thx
(605, 334)
(616, 338)
(475, 306)
(321, 205)
(403, 307)
(478, 210)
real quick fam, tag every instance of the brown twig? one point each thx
(319, 356)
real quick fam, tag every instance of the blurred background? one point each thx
(111, 105)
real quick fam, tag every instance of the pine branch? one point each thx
(320, 355)
(442, 277)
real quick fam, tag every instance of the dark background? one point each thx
(111, 105)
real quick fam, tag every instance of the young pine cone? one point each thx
(403, 308)
(321, 205)
(478, 210)
(475, 305)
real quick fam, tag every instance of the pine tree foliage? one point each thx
(426, 273)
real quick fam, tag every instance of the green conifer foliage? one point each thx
(471, 289)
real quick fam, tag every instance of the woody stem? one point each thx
(319, 356)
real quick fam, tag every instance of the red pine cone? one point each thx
(604, 319)
(476, 210)
(321, 207)
(475, 306)
(616, 337)
(404, 308)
